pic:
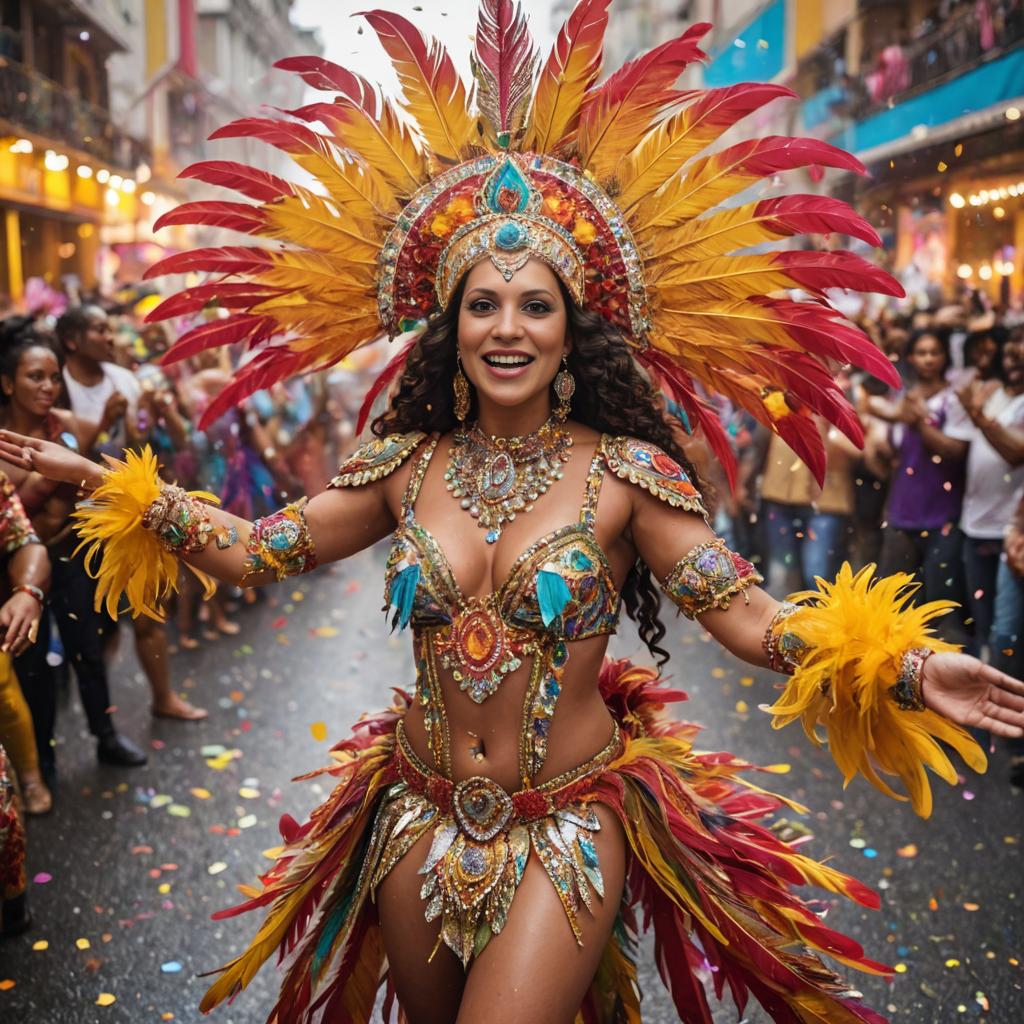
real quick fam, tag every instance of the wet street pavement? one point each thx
(127, 870)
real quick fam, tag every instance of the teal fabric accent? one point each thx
(999, 80)
(553, 594)
(403, 593)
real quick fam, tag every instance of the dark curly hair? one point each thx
(19, 334)
(612, 396)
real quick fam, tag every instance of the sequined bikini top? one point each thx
(560, 586)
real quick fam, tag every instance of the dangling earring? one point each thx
(565, 388)
(460, 389)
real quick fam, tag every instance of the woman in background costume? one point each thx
(551, 259)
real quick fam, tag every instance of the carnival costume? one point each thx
(609, 186)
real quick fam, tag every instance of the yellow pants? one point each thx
(16, 733)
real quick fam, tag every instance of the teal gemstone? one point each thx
(510, 236)
(492, 536)
(507, 179)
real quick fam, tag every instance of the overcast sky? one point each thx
(453, 21)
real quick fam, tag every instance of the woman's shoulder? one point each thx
(647, 466)
(377, 458)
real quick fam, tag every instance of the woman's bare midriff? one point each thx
(485, 738)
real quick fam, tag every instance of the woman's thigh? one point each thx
(535, 970)
(429, 988)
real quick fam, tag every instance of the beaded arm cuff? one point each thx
(906, 691)
(783, 648)
(179, 521)
(281, 543)
(709, 576)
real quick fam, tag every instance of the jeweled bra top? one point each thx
(561, 586)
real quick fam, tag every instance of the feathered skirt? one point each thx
(715, 885)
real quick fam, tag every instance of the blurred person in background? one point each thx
(921, 536)
(100, 389)
(31, 380)
(28, 579)
(993, 437)
(14, 915)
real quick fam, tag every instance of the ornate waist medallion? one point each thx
(480, 648)
(496, 478)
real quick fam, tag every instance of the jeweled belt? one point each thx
(481, 806)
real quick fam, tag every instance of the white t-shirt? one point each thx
(88, 403)
(994, 488)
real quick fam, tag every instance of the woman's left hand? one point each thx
(19, 623)
(974, 694)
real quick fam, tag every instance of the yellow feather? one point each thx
(384, 144)
(718, 234)
(856, 630)
(727, 277)
(131, 560)
(571, 68)
(311, 221)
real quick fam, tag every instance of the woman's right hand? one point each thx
(51, 460)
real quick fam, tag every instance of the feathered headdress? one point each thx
(611, 184)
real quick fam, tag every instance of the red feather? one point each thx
(800, 432)
(236, 216)
(230, 259)
(329, 77)
(232, 329)
(640, 88)
(816, 271)
(284, 135)
(266, 369)
(231, 295)
(250, 181)
(798, 215)
(395, 366)
(504, 57)
(680, 387)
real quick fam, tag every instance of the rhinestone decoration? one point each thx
(477, 649)
(482, 808)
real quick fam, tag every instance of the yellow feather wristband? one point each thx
(132, 561)
(855, 631)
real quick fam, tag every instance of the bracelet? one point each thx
(784, 649)
(32, 591)
(179, 520)
(907, 691)
(281, 543)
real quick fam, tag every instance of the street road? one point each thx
(131, 864)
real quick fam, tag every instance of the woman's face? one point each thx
(1013, 361)
(928, 358)
(983, 355)
(37, 382)
(512, 334)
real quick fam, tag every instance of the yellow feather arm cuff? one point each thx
(848, 638)
(131, 561)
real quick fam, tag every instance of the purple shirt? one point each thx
(926, 491)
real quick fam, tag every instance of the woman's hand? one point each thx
(19, 623)
(51, 460)
(974, 694)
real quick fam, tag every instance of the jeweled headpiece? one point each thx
(608, 184)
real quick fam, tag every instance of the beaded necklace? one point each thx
(495, 478)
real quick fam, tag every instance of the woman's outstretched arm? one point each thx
(340, 522)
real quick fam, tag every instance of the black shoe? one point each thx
(15, 918)
(119, 750)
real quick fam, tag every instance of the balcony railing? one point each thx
(33, 102)
(896, 72)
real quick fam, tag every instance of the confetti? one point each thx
(247, 821)
(217, 867)
(910, 850)
(900, 968)
(42, 878)
(7, 984)
(179, 810)
(171, 967)
(742, 707)
(39, 945)
(105, 999)
(248, 793)
(160, 800)
(971, 907)
(952, 962)
(319, 731)
(82, 943)
(324, 631)
(200, 794)
(746, 680)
